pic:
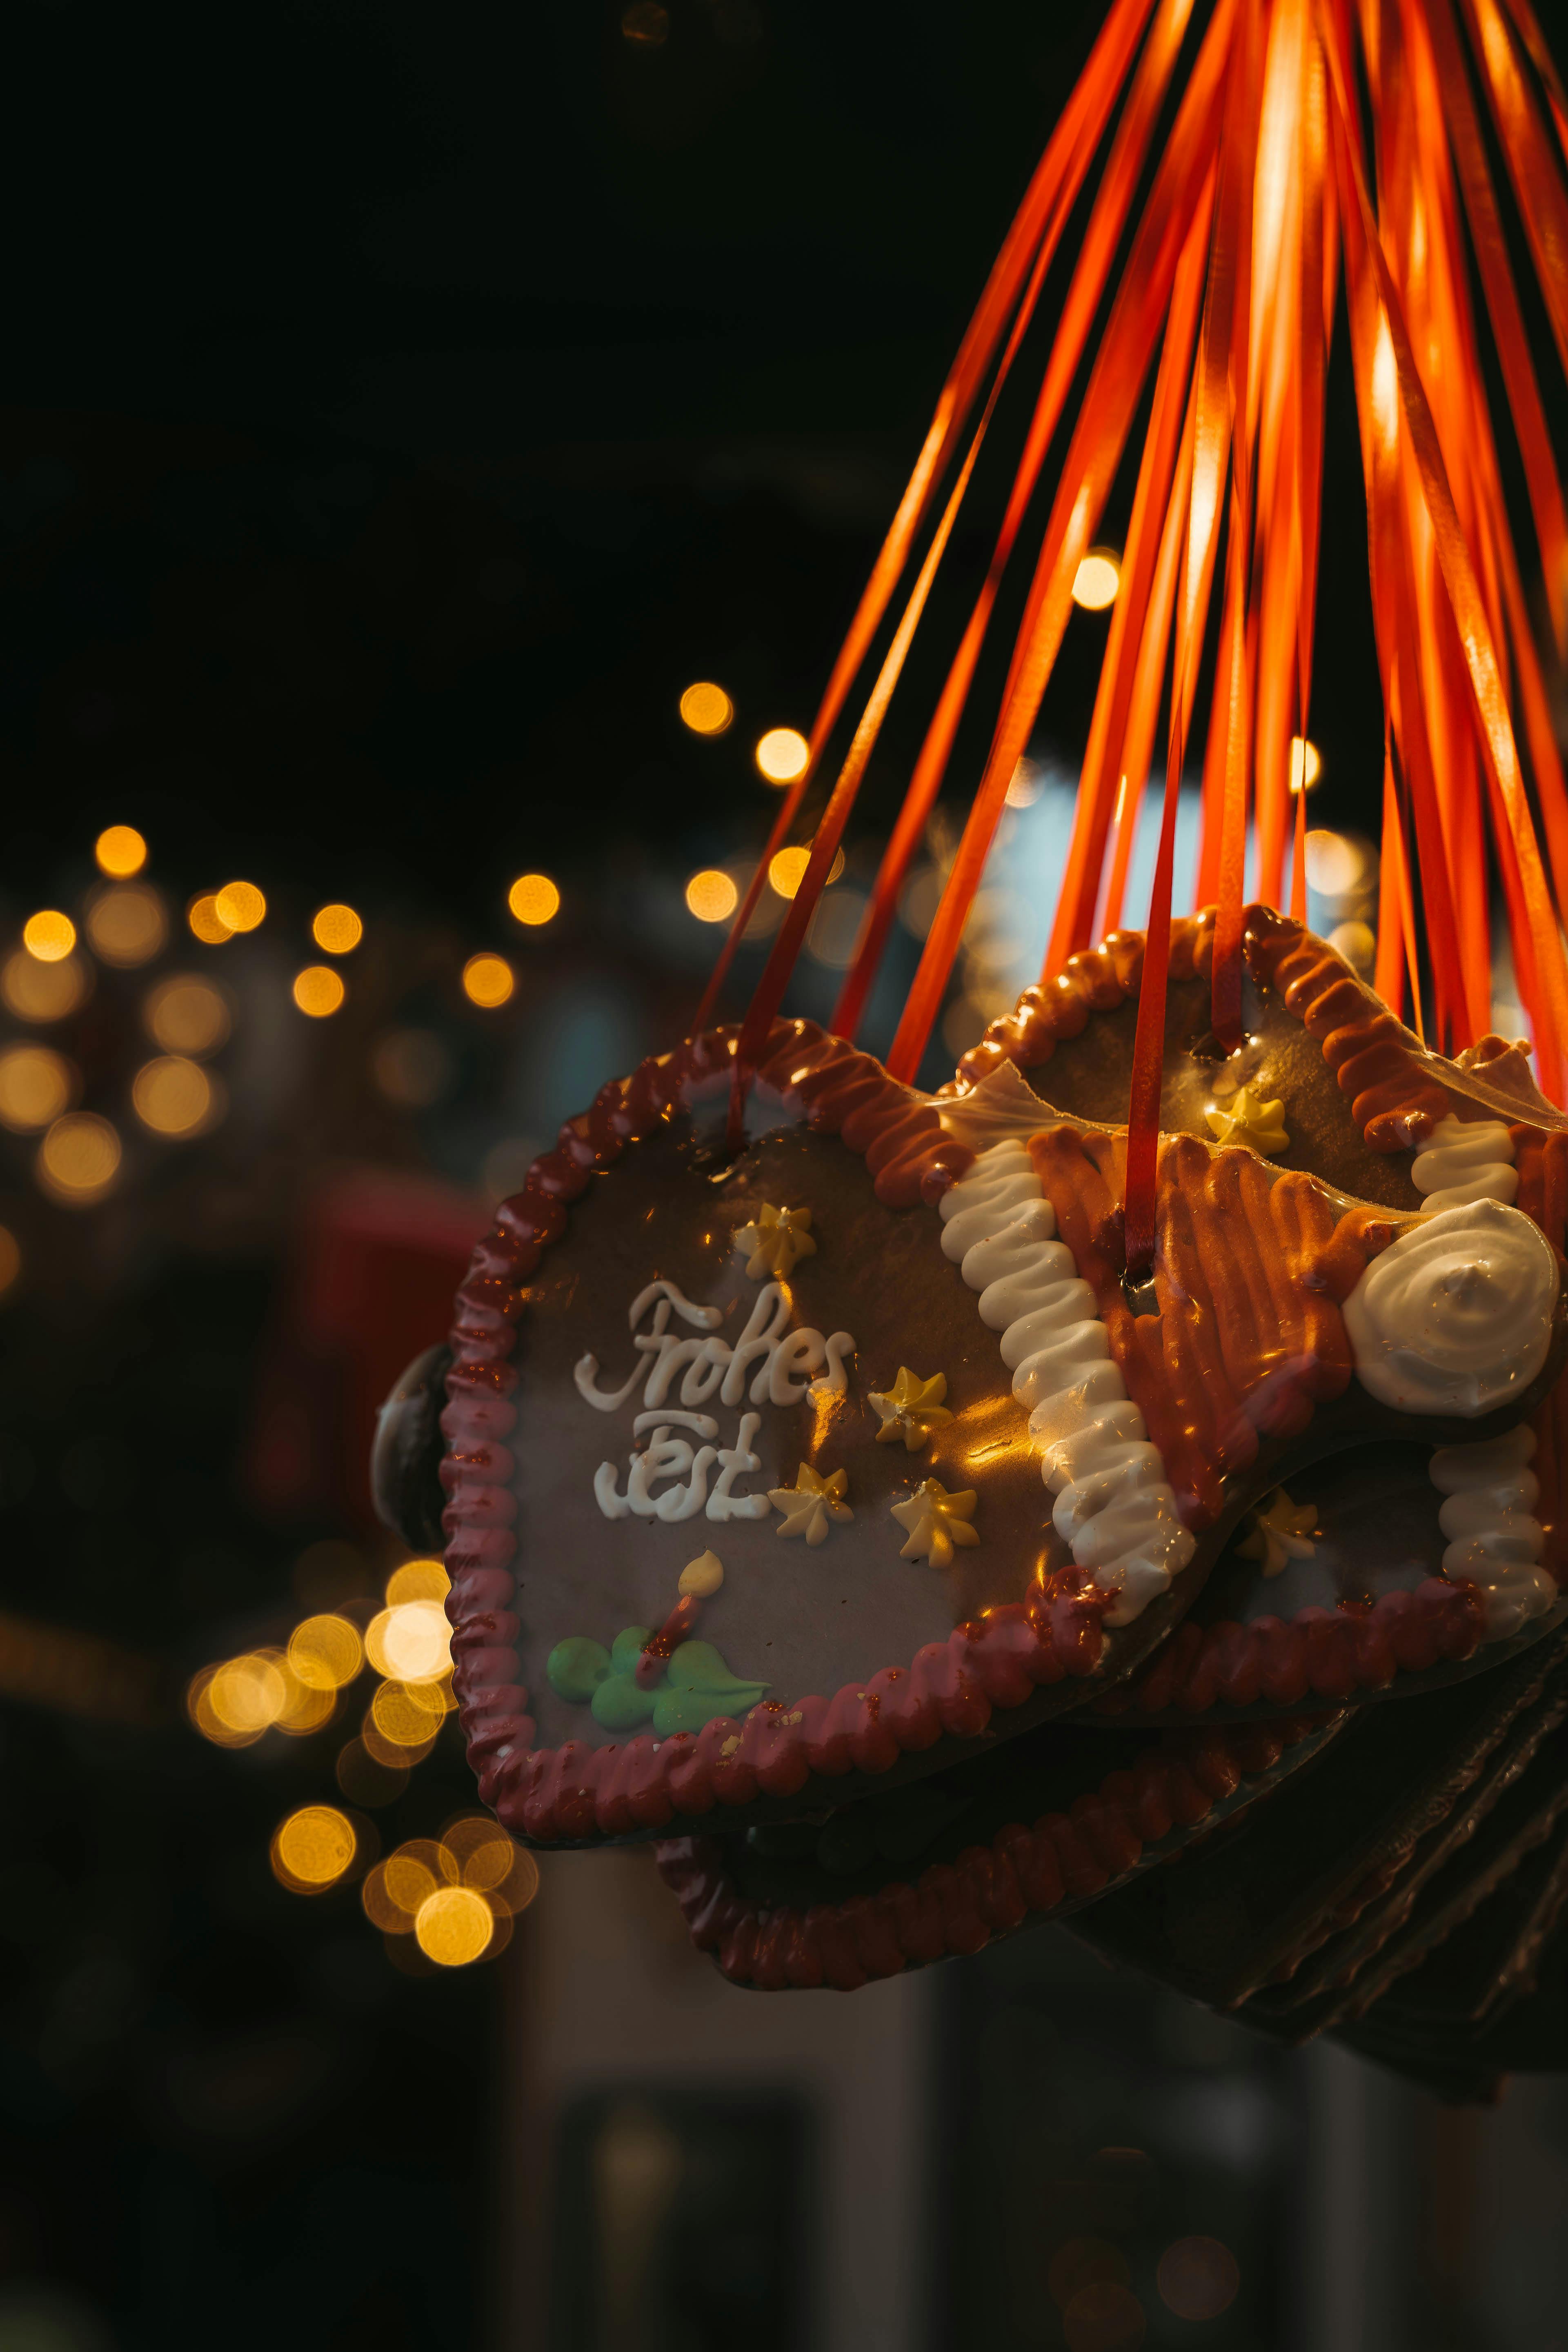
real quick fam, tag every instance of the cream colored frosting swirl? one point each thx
(1455, 1315)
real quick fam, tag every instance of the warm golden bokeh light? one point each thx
(786, 869)
(175, 1097)
(411, 1641)
(400, 1719)
(206, 924)
(248, 1693)
(199, 1707)
(1097, 580)
(1334, 864)
(127, 924)
(325, 1652)
(782, 755)
(186, 1014)
(319, 990)
(488, 980)
(488, 1860)
(413, 1873)
(1305, 764)
(706, 708)
(48, 935)
(78, 1158)
(418, 1579)
(393, 1755)
(10, 1258)
(35, 1087)
(380, 1908)
(239, 907)
(336, 929)
(454, 1925)
(304, 1709)
(712, 896)
(120, 851)
(313, 1848)
(42, 991)
(534, 899)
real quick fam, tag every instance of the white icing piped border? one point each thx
(1114, 1504)
(1488, 1494)
(1495, 1541)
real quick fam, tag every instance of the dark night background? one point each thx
(401, 406)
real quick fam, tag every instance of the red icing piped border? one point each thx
(577, 1791)
(958, 1906)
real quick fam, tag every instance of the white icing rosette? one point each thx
(1455, 1318)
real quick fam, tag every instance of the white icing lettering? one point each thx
(834, 1381)
(613, 1504)
(765, 1326)
(738, 1462)
(702, 1318)
(803, 1352)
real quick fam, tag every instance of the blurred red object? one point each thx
(375, 1262)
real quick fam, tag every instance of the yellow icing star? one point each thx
(912, 1409)
(811, 1503)
(1279, 1533)
(936, 1520)
(777, 1238)
(1250, 1120)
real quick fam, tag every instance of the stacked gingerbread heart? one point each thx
(832, 1506)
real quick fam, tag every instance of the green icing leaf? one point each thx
(689, 1710)
(628, 1646)
(620, 1706)
(575, 1668)
(698, 1666)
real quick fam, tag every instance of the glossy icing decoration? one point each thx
(701, 1578)
(1465, 1160)
(1114, 1504)
(693, 1689)
(1455, 1315)
(1495, 1541)
(911, 1410)
(776, 1242)
(1248, 1118)
(934, 1521)
(812, 1505)
(1281, 1532)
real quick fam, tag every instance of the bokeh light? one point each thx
(646, 25)
(505, 1873)
(1104, 2318)
(1357, 942)
(304, 1709)
(246, 1695)
(534, 899)
(48, 935)
(336, 929)
(1097, 580)
(455, 1926)
(1305, 764)
(488, 980)
(396, 1756)
(120, 851)
(1198, 2278)
(206, 924)
(78, 1158)
(412, 1068)
(783, 754)
(706, 708)
(10, 1258)
(175, 1097)
(43, 991)
(412, 1874)
(127, 924)
(381, 1907)
(35, 1087)
(418, 1579)
(313, 1849)
(1335, 864)
(786, 869)
(319, 990)
(835, 928)
(410, 1642)
(712, 896)
(239, 907)
(186, 1014)
(325, 1652)
(396, 1712)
